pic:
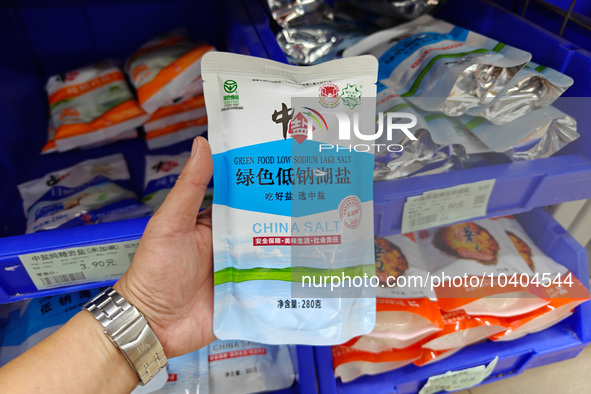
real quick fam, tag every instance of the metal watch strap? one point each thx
(128, 329)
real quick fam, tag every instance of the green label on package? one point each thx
(78, 265)
(444, 206)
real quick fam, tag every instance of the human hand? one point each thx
(171, 277)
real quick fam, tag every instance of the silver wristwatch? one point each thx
(128, 329)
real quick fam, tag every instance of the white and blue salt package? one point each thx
(293, 202)
(30, 321)
(161, 174)
(93, 191)
(244, 367)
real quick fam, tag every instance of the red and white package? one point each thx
(185, 111)
(175, 133)
(406, 306)
(162, 68)
(461, 330)
(562, 287)
(350, 363)
(474, 267)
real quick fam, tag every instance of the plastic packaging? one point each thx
(162, 68)
(407, 309)
(31, 321)
(438, 66)
(162, 171)
(533, 87)
(400, 9)
(92, 191)
(243, 367)
(91, 105)
(429, 356)
(461, 330)
(470, 258)
(350, 363)
(538, 134)
(289, 207)
(175, 123)
(187, 374)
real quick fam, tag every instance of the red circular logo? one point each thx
(329, 95)
(350, 212)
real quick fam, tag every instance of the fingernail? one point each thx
(195, 145)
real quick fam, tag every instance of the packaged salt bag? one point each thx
(564, 290)
(243, 367)
(407, 309)
(161, 174)
(533, 87)
(93, 191)
(461, 330)
(350, 363)
(438, 66)
(175, 133)
(188, 373)
(30, 321)
(538, 134)
(293, 198)
(162, 68)
(429, 356)
(91, 105)
(472, 265)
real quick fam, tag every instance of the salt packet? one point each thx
(350, 363)
(438, 66)
(175, 133)
(91, 105)
(564, 290)
(243, 367)
(293, 201)
(474, 263)
(407, 309)
(161, 174)
(162, 68)
(429, 356)
(538, 134)
(533, 87)
(93, 191)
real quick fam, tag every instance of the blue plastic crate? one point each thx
(519, 186)
(560, 342)
(41, 38)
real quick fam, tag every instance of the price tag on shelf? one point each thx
(459, 380)
(78, 265)
(444, 206)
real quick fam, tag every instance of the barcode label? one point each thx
(427, 220)
(61, 279)
(444, 206)
(83, 264)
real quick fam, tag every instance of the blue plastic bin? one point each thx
(40, 38)
(519, 186)
(560, 342)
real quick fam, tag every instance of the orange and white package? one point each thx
(429, 356)
(188, 110)
(350, 363)
(474, 267)
(175, 133)
(162, 68)
(461, 330)
(406, 307)
(193, 89)
(50, 146)
(91, 105)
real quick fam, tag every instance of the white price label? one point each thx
(444, 206)
(83, 264)
(459, 380)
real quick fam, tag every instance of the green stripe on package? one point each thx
(293, 198)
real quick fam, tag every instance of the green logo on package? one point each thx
(351, 96)
(230, 86)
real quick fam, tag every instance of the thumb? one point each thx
(179, 211)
